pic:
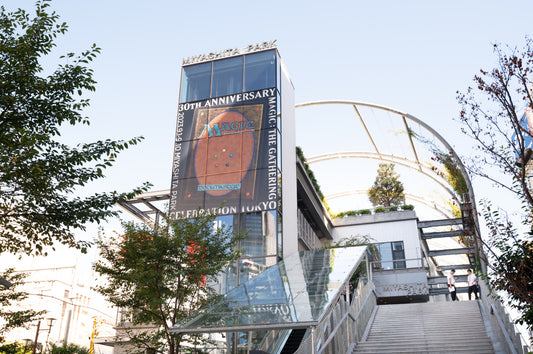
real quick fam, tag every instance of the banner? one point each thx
(225, 155)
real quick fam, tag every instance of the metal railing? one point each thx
(306, 233)
(343, 325)
(513, 339)
(400, 264)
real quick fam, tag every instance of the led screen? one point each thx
(225, 155)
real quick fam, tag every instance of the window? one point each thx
(260, 71)
(389, 255)
(398, 255)
(227, 77)
(196, 80)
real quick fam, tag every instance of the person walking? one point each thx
(451, 285)
(472, 284)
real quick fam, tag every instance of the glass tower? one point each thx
(227, 155)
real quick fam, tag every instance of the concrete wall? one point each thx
(288, 165)
(383, 227)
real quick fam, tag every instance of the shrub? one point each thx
(408, 207)
(365, 211)
(380, 210)
(68, 349)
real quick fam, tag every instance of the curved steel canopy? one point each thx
(412, 164)
(425, 170)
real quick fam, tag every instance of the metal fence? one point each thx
(343, 325)
(513, 339)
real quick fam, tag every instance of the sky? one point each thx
(409, 55)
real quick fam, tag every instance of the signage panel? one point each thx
(225, 155)
(400, 283)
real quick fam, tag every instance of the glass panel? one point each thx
(253, 245)
(250, 267)
(278, 70)
(260, 228)
(280, 231)
(398, 253)
(230, 278)
(397, 246)
(227, 77)
(224, 220)
(195, 82)
(298, 289)
(280, 146)
(279, 111)
(385, 252)
(259, 71)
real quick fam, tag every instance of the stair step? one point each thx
(421, 336)
(431, 351)
(440, 327)
(428, 340)
(426, 346)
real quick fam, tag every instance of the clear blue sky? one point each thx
(410, 55)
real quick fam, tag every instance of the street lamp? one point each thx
(27, 343)
(50, 323)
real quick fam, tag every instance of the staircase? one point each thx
(439, 327)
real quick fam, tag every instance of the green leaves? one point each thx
(491, 114)
(387, 189)
(9, 298)
(160, 275)
(511, 261)
(39, 176)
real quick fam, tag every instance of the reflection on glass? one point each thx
(260, 229)
(260, 71)
(258, 248)
(386, 255)
(298, 289)
(390, 255)
(196, 81)
(250, 267)
(227, 77)
(252, 225)
(398, 255)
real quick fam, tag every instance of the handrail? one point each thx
(497, 312)
(502, 327)
(420, 261)
(347, 315)
(344, 333)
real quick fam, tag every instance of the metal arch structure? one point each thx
(469, 199)
(425, 170)
(470, 202)
(405, 116)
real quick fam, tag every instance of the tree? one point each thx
(68, 349)
(157, 276)
(14, 348)
(387, 189)
(491, 113)
(9, 298)
(38, 173)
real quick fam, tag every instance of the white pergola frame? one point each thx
(377, 154)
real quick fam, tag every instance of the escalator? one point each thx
(294, 341)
